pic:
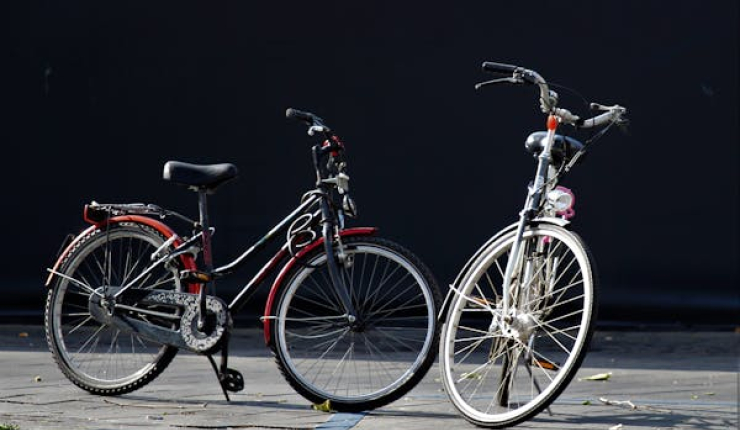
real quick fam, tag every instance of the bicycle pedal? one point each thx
(545, 364)
(232, 380)
(195, 276)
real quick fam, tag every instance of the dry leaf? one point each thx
(323, 407)
(629, 404)
(597, 377)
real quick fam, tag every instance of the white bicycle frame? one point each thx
(544, 178)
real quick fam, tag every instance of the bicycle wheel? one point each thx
(499, 370)
(383, 355)
(97, 357)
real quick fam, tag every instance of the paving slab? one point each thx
(659, 380)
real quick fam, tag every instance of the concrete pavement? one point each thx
(659, 380)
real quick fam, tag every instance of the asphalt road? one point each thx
(659, 380)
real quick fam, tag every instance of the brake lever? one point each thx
(623, 125)
(604, 108)
(510, 80)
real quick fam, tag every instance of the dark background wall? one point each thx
(98, 95)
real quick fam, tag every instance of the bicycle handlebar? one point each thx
(331, 145)
(504, 69)
(520, 74)
(549, 98)
(314, 122)
(300, 115)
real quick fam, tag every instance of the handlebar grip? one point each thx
(609, 116)
(300, 115)
(506, 69)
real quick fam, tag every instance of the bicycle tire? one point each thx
(94, 356)
(498, 373)
(367, 366)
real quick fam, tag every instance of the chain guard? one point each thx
(189, 336)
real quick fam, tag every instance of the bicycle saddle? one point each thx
(201, 176)
(563, 148)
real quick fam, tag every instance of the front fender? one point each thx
(280, 278)
(456, 283)
(187, 259)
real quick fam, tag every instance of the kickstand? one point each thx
(218, 375)
(229, 379)
(536, 385)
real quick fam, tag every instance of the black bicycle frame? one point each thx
(248, 290)
(320, 196)
(331, 218)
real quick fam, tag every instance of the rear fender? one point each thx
(187, 259)
(270, 303)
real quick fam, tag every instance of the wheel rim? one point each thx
(99, 354)
(337, 362)
(501, 372)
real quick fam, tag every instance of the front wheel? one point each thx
(500, 368)
(382, 354)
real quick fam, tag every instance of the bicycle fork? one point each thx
(337, 280)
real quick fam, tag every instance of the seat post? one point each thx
(207, 256)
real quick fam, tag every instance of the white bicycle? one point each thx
(521, 312)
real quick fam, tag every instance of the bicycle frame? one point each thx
(548, 103)
(316, 205)
(248, 290)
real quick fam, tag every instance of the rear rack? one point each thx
(98, 212)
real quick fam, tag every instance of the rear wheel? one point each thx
(378, 358)
(501, 369)
(97, 357)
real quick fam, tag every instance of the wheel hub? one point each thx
(517, 325)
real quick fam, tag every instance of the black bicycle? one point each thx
(350, 316)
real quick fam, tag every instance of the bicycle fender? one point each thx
(167, 232)
(456, 283)
(269, 303)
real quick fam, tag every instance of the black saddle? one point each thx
(206, 177)
(563, 148)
